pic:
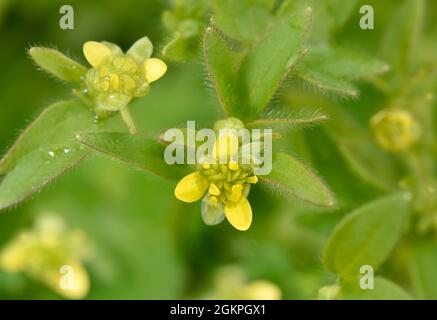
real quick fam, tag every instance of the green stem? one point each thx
(125, 115)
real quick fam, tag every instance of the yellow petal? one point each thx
(95, 52)
(155, 69)
(239, 214)
(192, 187)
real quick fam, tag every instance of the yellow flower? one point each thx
(115, 77)
(224, 187)
(52, 255)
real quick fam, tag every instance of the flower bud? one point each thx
(395, 130)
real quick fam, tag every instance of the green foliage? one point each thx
(250, 76)
(366, 236)
(58, 64)
(402, 36)
(223, 65)
(140, 152)
(383, 290)
(369, 162)
(244, 20)
(44, 151)
(330, 68)
(292, 177)
(292, 121)
(423, 262)
(266, 60)
(184, 21)
(262, 71)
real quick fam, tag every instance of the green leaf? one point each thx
(289, 121)
(58, 64)
(181, 48)
(293, 177)
(324, 81)
(244, 20)
(330, 68)
(343, 63)
(45, 150)
(400, 41)
(222, 64)
(369, 162)
(329, 15)
(140, 152)
(366, 236)
(270, 61)
(383, 290)
(423, 269)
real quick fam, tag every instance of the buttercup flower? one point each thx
(115, 77)
(52, 255)
(224, 185)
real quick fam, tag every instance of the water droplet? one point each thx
(53, 154)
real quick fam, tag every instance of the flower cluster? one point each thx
(52, 255)
(223, 186)
(115, 78)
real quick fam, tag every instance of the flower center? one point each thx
(118, 75)
(228, 182)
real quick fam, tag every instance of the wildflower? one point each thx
(395, 130)
(52, 255)
(224, 185)
(115, 78)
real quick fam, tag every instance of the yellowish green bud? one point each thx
(395, 130)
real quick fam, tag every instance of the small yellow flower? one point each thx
(224, 187)
(116, 77)
(52, 255)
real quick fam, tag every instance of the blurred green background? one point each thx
(148, 245)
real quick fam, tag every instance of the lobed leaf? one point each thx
(45, 150)
(59, 65)
(293, 177)
(140, 152)
(366, 236)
